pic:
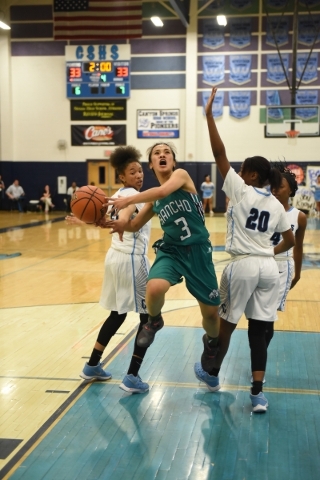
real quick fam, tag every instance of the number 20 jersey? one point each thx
(253, 216)
(181, 218)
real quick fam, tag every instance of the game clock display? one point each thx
(104, 79)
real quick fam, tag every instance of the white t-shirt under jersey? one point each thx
(253, 216)
(133, 243)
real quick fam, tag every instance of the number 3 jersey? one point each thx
(253, 216)
(181, 218)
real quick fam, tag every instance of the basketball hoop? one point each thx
(292, 133)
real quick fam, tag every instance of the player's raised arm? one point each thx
(218, 148)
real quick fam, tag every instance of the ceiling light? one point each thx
(157, 21)
(221, 19)
(4, 26)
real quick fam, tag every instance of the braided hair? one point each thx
(289, 176)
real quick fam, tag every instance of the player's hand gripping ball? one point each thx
(86, 204)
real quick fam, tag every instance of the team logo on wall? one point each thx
(93, 135)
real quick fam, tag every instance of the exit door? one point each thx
(101, 173)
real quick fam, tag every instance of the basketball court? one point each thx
(55, 425)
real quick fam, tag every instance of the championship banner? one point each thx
(213, 35)
(275, 73)
(277, 4)
(240, 69)
(273, 98)
(240, 4)
(217, 107)
(307, 97)
(158, 123)
(310, 73)
(213, 69)
(240, 32)
(239, 104)
(308, 29)
(277, 31)
(309, 3)
(97, 135)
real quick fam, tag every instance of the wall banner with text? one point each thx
(97, 135)
(98, 110)
(158, 123)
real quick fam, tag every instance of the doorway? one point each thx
(101, 173)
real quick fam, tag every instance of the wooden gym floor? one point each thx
(54, 425)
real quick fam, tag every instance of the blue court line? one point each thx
(37, 223)
(190, 433)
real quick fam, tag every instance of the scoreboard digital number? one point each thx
(103, 79)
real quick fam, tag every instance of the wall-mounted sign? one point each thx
(158, 123)
(98, 110)
(98, 71)
(97, 135)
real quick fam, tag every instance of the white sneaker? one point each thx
(211, 213)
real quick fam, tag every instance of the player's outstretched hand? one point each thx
(208, 108)
(72, 220)
(118, 203)
(116, 226)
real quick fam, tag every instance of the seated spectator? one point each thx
(16, 194)
(46, 199)
(2, 187)
(70, 192)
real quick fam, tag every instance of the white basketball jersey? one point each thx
(292, 215)
(133, 242)
(253, 216)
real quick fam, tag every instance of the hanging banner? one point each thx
(277, 4)
(307, 97)
(275, 73)
(158, 123)
(97, 135)
(273, 98)
(239, 104)
(213, 34)
(308, 29)
(217, 106)
(240, 69)
(309, 3)
(277, 31)
(240, 32)
(240, 4)
(311, 71)
(213, 69)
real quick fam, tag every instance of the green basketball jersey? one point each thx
(182, 218)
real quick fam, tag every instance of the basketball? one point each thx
(86, 203)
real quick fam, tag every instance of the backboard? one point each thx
(282, 119)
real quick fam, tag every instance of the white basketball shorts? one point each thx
(250, 286)
(124, 282)
(286, 271)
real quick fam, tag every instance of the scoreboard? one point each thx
(98, 72)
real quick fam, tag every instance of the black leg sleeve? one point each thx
(259, 334)
(110, 327)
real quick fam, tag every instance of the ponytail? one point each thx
(275, 179)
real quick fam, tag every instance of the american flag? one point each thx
(97, 19)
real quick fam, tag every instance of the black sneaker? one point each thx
(209, 354)
(147, 334)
